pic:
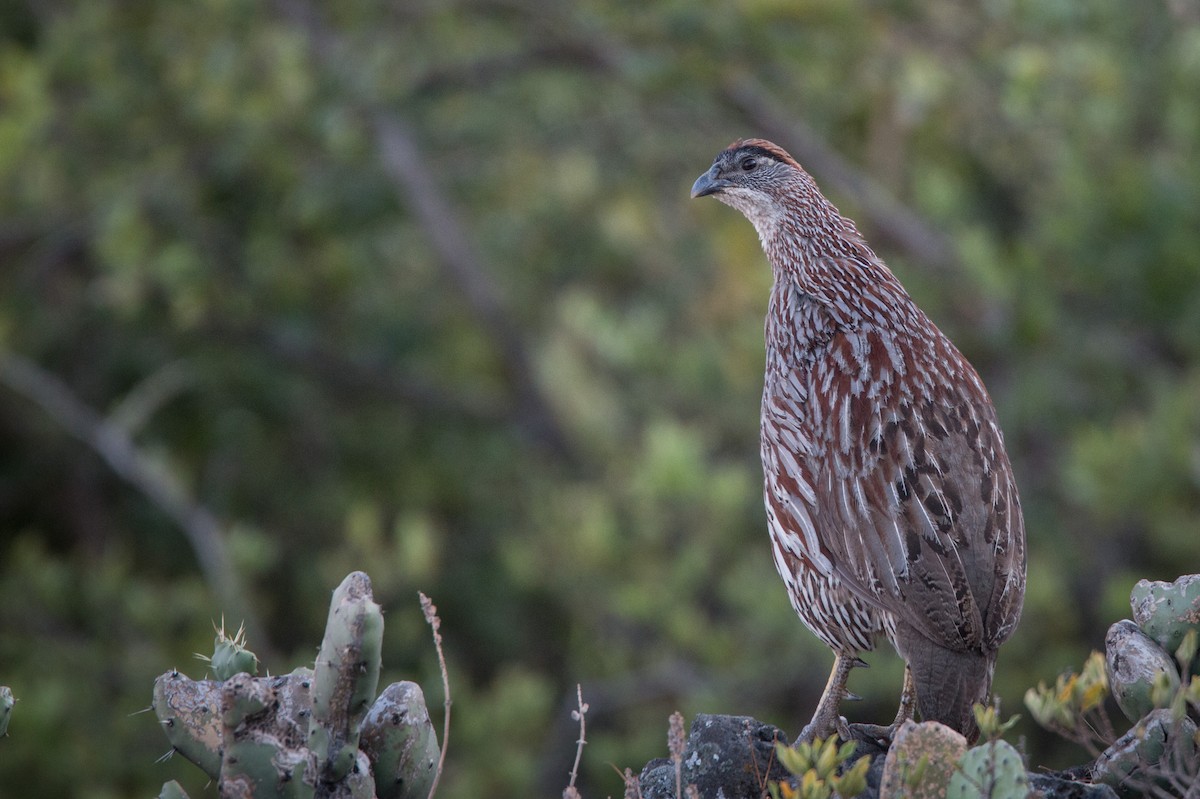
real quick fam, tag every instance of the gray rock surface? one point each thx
(732, 757)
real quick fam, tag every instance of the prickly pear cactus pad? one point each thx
(346, 676)
(993, 770)
(6, 705)
(230, 655)
(1142, 748)
(189, 713)
(1166, 611)
(399, 738)
(1135, 665)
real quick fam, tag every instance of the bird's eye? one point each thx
(748, 164)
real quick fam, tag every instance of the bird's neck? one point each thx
(818, 254)
(808, 235)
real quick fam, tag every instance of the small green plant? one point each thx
(987, 718)
(1074, 706)
(819, 770)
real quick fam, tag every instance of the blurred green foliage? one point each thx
(202, 238)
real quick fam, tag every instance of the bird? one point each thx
(890, 498)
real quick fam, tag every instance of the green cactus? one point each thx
(1166, 611)
(1140, 674)
(230, 655)
(255, 761)
(399, 738)
(346, 676)
(6, 705)
(1131, 760)
(189, 713)
(921, 761)
(172, 790)
(298, 736)
(993, 770)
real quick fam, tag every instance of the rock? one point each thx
(922, 759)
(1053, 786)
(726, 756)
(717, 760)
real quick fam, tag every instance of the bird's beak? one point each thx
(708, 183)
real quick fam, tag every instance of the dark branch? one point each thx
(405, 164)
(112, 443)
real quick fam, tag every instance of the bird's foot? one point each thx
(873, 733)
(824, 727)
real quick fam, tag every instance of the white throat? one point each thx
(766, 216)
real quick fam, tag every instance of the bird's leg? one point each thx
(826, 720)
(908, 703)
(908, 700)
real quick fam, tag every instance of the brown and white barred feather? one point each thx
(890, 499)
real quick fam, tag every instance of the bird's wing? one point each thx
(923, 520)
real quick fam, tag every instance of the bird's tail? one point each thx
(949, 683)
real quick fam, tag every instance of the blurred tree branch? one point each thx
(406, 165)
(349, 375)
(110, 439)
(484, 72)
(877, 208)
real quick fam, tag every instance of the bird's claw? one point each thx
(874, 733)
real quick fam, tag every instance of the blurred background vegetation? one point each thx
(288, 290)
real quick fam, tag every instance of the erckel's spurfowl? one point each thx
(890, 499)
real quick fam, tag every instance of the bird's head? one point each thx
(756, 177)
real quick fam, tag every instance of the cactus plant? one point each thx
(345, 677)
(172, 790)
(921, 760)
(993, 770)
(1132, 760)
(399, 739)
(189, 713)
(230, 655)
(298, 736)
(1140, 674)
(6, 705)
(1166, 611)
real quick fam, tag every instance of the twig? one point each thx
(112, 442)
(431, 617)
(633, 785)
(579, 715)
(676, 744)
(148, 396)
